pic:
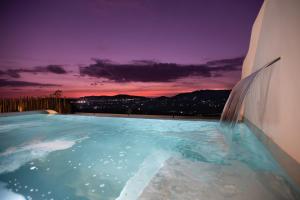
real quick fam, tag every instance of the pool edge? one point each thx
(8, 114)
(142, 116)
(289, 164)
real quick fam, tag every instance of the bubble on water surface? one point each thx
(105, 162)
(33, 168)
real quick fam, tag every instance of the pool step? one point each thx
(184, 179)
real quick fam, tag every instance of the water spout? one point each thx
(231, 111)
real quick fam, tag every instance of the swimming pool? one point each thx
(84, 157)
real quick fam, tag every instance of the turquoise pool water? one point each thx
(85, 157)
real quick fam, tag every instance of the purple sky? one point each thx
(141, 47)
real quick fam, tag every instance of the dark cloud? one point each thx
(10, 83)
(151, 71)
(15, 73)
(143, 62)
(232, 61)
(56, 69)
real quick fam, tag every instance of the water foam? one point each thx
(9, 194)
(14, 157)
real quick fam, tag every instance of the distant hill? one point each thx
(202, 102)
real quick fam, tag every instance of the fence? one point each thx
(60, 105)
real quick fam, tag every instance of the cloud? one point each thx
(56, 69)
(151, 71)
(10, 83)
(232, 61)
(15, 73)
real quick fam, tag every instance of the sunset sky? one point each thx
(108, 47)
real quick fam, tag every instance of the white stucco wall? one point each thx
(273, 103)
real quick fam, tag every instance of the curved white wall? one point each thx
(273, 103)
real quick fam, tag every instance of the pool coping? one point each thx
(8, 114)
(289, 164)
(28, 113)
(141, 116)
